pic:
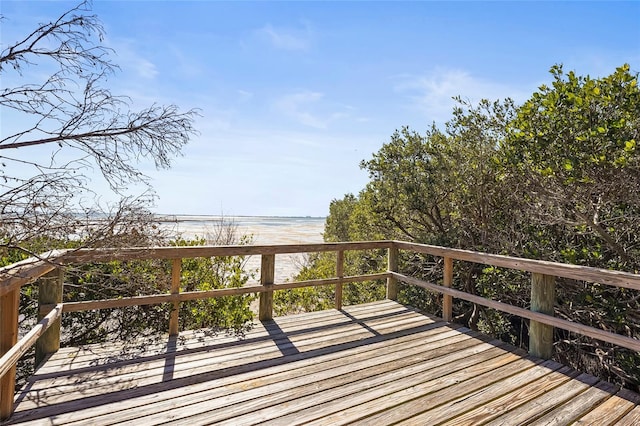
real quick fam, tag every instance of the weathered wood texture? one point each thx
(176, 272)
(8, 338)
(576, 272)
(28, 270)
(616, 339)
(392, 265)
(339, 275)
(9, 359)
(49, 292)
(267, 273)
(447, 280)
(543, 299)
(377, 363)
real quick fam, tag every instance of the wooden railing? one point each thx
(48, 270)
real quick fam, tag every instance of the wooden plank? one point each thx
(417, 399)
(304, 382)
(260, 377)
(213, 361)
(492, 408)
(8, 338)
(347, 404)
(576, 272)
(626, 342)
(361, 406)
(195, 339)
(615, 278)
(543, 299)
(392, 265)
(447, 280)
(373, 364)
(576, 407)
(248, 409)
(10, 357)
(109, 254)
(545, 403)
(49, 292)
(631, 419)
(176, 271)
(339, 275)
(612, 410)
(220, 292)
(461, 401)
(14, 276)
(201, 359)
(267, 272)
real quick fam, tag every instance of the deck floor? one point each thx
(373, 364)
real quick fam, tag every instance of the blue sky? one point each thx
(293, 95)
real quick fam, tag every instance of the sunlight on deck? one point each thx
(378, 363)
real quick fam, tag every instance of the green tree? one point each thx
(338, 224)
(572, 150)
(557, 178)
(571, 159)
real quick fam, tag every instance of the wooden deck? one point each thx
(373, 364)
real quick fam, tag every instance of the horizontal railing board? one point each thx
(12, 356)
(31, 269)
(198, 295)
(93, 255)
(626, 342)
(20, 273)
(578, 272)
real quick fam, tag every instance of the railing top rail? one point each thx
(578, 272)
(20, 273)
(17, 274)
(91, 255)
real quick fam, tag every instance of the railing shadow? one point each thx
(289, 353)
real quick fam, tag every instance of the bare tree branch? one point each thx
(72, 109)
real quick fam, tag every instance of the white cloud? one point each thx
(244, 95)
(432, 93)
(131, 59)
(286, 38)
(297, 105)
(311, 109)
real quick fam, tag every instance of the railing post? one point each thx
(447, 300)
(392, 265)
(543, 298)
(8, 337)
(49, 292)
(176, 270)
(339, 274)
(267, 273)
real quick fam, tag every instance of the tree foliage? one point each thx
(556, 178)
(573, 148)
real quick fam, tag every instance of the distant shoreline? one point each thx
(160, 217)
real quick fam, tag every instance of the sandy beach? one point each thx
(262, 230)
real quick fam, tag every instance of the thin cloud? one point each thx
(244, 95)
(132, 59)
(433, 93)
(298, 105)
(286, 38)
(311, 109)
